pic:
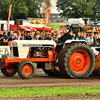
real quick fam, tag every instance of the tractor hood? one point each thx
(34, 43)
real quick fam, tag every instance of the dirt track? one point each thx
(65, 97)
(42, 80)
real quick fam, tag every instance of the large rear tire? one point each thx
(26, 69)
(77, 61)
(10, 70)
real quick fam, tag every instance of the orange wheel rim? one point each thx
(80, 61)
(27, 69)
(10, 70)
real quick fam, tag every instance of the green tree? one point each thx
(33, 8)
(4, 8)
(96, 10)
(20, 8)
(79, 8)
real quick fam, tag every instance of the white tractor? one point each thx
(75, 60)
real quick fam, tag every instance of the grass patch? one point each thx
(31, 92)
(35, 65)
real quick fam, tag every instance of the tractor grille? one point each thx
(15, 51)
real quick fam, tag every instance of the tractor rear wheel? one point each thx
(77, 61)
(10, 70)
(26, 69)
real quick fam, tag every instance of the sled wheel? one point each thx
(26, 69)
(77, 61)
(10, 70)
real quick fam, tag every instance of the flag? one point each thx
(47, 17)
(9, 14)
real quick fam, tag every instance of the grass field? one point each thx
(31, 92)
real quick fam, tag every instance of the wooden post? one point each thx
(43, 35)
(17, 32)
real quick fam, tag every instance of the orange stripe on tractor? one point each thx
(19, 60)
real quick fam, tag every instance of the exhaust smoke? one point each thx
(46, 4)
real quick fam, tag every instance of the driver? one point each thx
(65, 37)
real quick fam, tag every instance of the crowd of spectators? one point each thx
(5, 36)
(92, 38)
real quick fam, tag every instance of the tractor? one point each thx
(75, 60)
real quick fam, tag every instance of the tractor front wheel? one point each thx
(10, 70)
(26, 69)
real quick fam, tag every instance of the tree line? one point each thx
(20, 9)
(80, 8)
(69, 8)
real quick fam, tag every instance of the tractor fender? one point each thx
(75, 41)
(69, 42)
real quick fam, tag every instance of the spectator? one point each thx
(1, 33)
(73, 38)
(28, 37)
(35, 37)
(49, 37)
(38, 34)
(87, 35)
(84, 35)
(46, 34)
(11, 33)
(96, 40)
(78, 35)
(4, 39)
(59, 34)
(8, 34)
(11, 38)
(81, 36)
(17, 37)
(99, 35)
(62, 34)
(90, 39)
(33, 34)
(40, 37)
(55, 38)
(23, 35)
